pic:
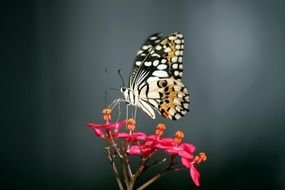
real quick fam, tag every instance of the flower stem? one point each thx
(124, 169)
(156, 177)
(112, 143)
(153, 179)
(116, 172)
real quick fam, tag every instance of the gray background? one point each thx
(54, 55)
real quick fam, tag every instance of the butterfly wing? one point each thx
(142, 53)
(168, 96)
(162, 66)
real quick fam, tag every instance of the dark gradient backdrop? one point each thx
(53, 60)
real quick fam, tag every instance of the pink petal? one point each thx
(190, 148)
(152, 138)
(99, 133)
(149, 143)
(99, 126)
(195, 175)
(116, 125)
(134, 150)
(123, 135)
(161, 146)
(171, 151)
(147, 151)
(140, 136)
(119, 125)
(186, 162)
(185, 154)
(166, 143)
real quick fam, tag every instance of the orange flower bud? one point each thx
(200, 158)
(107, 114)
(203, 156)
(179, 136)
(131, 124)
(160, 129)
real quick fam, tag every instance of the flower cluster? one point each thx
(145, 146)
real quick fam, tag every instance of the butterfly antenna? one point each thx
(105, 98)
(119, 72)
(106, 92)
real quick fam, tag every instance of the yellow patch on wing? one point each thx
(169, 44)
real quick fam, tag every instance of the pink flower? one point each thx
(143, 149)
(189, 163)
(139, 144)
(98, 128)
(172, 146)
(184, 150)
(107, 126)
(194, 173)
(133, 136)
(164, 143)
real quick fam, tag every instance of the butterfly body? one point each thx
(155, 80)
(130, 96)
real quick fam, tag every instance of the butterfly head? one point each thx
(126, 92)
(123, 89)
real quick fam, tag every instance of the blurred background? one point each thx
(58, 57)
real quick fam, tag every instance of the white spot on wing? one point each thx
(155, 55)
(175, 66)
(174, 59)
(177, 53)
(177, 41)
(177, 116)
(162, 66)
(158, 47)
(151, 79)
(172, 111)
(147, 63)
(146, 47)
(168, 49)
(160, 73)
(156, 62)
(139, 52)
(179, 35)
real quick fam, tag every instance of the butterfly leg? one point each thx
(119, 111)
(135, 115)
(115, 102)
(127, 111)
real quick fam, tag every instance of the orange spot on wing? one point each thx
(164, 113)
(170, 54)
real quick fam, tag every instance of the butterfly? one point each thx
(155, 80)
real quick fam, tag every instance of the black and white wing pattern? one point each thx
(143, 52)
(156, 77)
